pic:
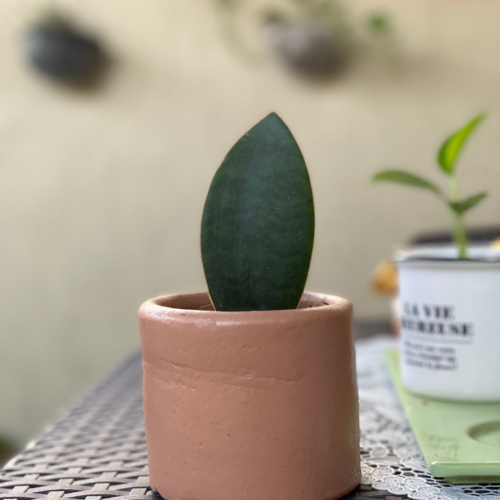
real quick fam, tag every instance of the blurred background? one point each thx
(103, 176)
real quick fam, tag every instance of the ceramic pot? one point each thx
(257, 405)
(450, 325)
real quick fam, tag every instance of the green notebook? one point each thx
(460, 441)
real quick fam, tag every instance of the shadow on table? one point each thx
(365, 329)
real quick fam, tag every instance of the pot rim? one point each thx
(433, 262)
(157, 308)
(480, 256)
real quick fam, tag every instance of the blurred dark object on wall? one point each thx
(57, 49)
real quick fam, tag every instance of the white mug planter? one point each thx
(450, 324)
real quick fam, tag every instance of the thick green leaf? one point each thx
(462, 206)
(451, 148)
(402, 177)
(258, 224)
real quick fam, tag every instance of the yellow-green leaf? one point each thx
(407, 178)
(462, 206)
(451, 148)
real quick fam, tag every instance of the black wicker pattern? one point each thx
(98, 450)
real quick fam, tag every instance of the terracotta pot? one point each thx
(258, 405)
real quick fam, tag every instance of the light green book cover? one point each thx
(460, 441)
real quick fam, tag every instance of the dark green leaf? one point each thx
(402, 177)
(462, 206)
(451, 148)
(258, 224)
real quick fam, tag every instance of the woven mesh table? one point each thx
(97, 450)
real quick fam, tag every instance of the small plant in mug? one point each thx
(447, 159)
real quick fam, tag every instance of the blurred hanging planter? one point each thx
(313, 39)
(449, 298)
(57, 49)
(307, 46)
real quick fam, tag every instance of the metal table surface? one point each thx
(98, 449)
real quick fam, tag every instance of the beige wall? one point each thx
(101, 194)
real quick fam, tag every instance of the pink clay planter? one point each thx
(257, 405)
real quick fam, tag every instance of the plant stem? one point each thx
(460, 235)
(454, 191)
(459, 232)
